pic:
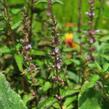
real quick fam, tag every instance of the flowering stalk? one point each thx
(79, 33)
(30, 12)
(55, 42)
(8, 31)
(55, 52)
(27, 32)
(79, 22)
(91, 31)
(6, 10)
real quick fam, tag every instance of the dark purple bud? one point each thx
(91, 1)
(55, 78)
(92, 49)
(32, 66)
(28, 47)
(92, 40)
(56, 41)
(91, 32)
(58, 65)
(28, 58)
(90, 58)
(90, 14)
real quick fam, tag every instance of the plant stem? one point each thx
(91, 31)
(56, 51)
(27, 31)
(9, 32)
(79, 15)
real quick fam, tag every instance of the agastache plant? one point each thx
(91, 31)
(7, 18)
(55, 41)
(79, 33)
(80, 22)
(6, 11)
(55, 44)
(27, 33)
(55, 51)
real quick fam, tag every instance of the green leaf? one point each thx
(37, 52)
(8, 98)
(67, 92)
(15, 11)
(27, 98)
(105, 56)
(98, 66)
(16, 25)
(73, 76)
(90, 100)
(4, 49)
(19, 61)
(68, 104)
(66, 49)
(105, 67)
(105, 38)
(53, 1)
(68, 61)
(46, 86)
(45, 103)
(58, 1)
(41, 1)
(18, 46)
(89, 84)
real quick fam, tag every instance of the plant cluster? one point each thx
(54, 54)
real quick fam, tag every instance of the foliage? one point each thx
(54, 54)
(8, 98)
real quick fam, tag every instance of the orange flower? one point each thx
(69, 40)
(70, 24)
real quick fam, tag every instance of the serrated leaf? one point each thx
(68, 104)
(68, 61)
(15, 11)
(8, 98)
(19, 61)
(67, 92)
(98, 66)
(4, 49)
(46, 86)
(105, 38)
(104, 56)
(90, 83)
(37, 52)
(45, 103)
(90, 100)
(105, 67)
(27, 98)
(73, 76)
(16, 25)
